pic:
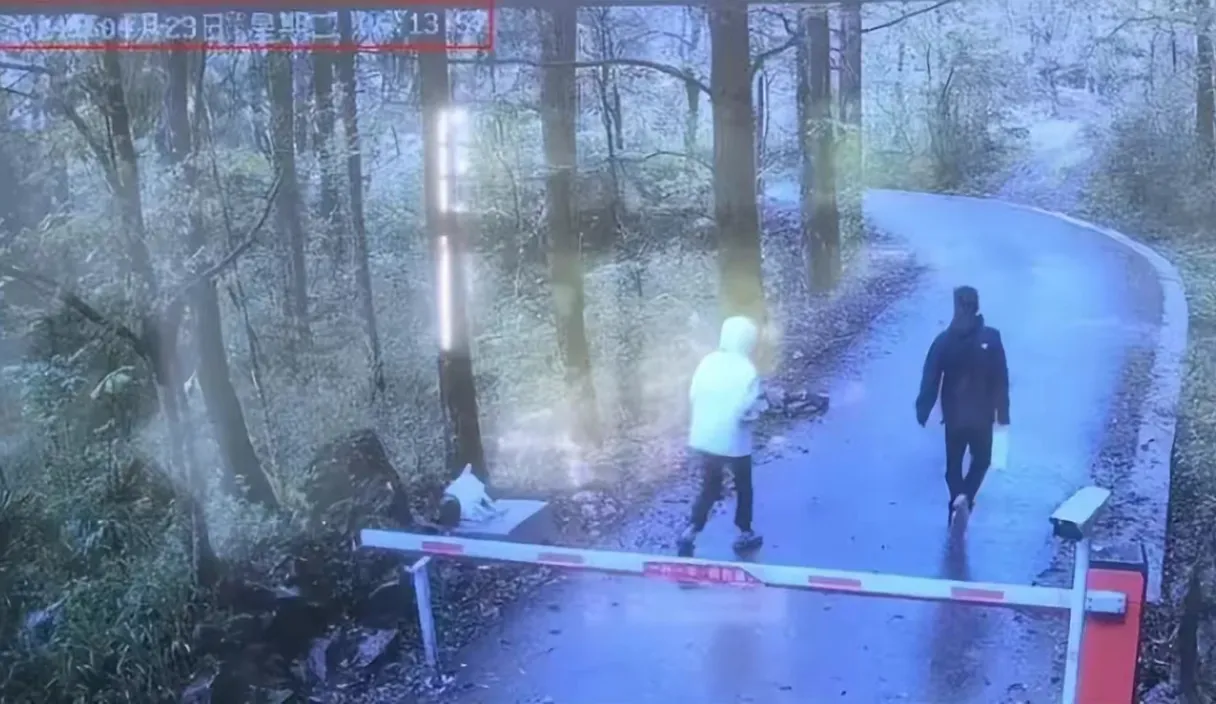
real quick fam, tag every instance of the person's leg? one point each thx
(710, 467)
(741, 470)
(956, 446)
(980, 444)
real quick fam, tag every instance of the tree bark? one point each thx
(559, 105)
(447, 232)
(125, 179)
(345, 66)
(323, 140)
(205, 561)
(823, 245)
(851, 154)
(694, 18)
(735, 209)
(289, 204)
(1205, 99)
(245, 475)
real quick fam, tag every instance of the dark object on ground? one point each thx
(350, 479)
(326, 604)
(781, 401)
(449, 512)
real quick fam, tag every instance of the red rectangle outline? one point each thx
(89, 7)
(387, 48)
(390, 47)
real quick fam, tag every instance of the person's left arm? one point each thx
(1001, 382)
(755, 401)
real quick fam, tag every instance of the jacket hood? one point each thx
(966, 325)
(738, 336)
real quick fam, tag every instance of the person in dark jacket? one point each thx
(966, 365)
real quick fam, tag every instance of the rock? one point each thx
(373, 645)
(775, 398)
(585, 496)
(352, 484)
(387, 605)
(296, 623)
(321, 658)
(230, 637)
(1161, 694)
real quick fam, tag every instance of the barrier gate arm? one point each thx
(789, 577)
(1114, 612)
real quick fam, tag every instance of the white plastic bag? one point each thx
(1000, 448)
(475, 504)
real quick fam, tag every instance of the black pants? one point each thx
(711, 467)
(958, 441)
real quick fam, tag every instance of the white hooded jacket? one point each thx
(725, 392)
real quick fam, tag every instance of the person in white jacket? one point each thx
(724, 398)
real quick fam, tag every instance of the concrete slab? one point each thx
(522, 521)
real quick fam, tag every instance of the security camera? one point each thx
(1073, 519)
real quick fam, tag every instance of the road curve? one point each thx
(862, 489)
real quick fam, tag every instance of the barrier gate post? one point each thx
(1102, 657)
(1109, 661)
(1076, 622)
(1104, 603)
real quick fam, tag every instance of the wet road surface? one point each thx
(862, 489)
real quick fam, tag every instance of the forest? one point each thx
(222, 351)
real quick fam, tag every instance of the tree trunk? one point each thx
(805, 110)
(851, 155)
(823, 245)
(447, 231)
(735, 210)
(245, 475)
(125, 179)
(695, 19)
(1205, 99)
(300, 98)
(559, 105)
(345, 65)
(323, 140)
(288, 208)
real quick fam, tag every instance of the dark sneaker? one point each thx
(748, 540)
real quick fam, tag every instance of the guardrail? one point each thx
(1104, 603)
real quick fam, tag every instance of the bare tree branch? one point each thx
(103, 155)
(17, 92)
(50, 288)
(246, 242)
(676, 73)
(908, 15)
(629, 159)
(789, 43)
(32, 68)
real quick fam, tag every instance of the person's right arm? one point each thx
(930, 382)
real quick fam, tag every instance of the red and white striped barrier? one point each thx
(1104, 604)
(690, 569)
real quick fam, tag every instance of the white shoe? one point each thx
(962, 512)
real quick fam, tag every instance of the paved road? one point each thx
(862, 489)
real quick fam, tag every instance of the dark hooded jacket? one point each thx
(966, 365)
